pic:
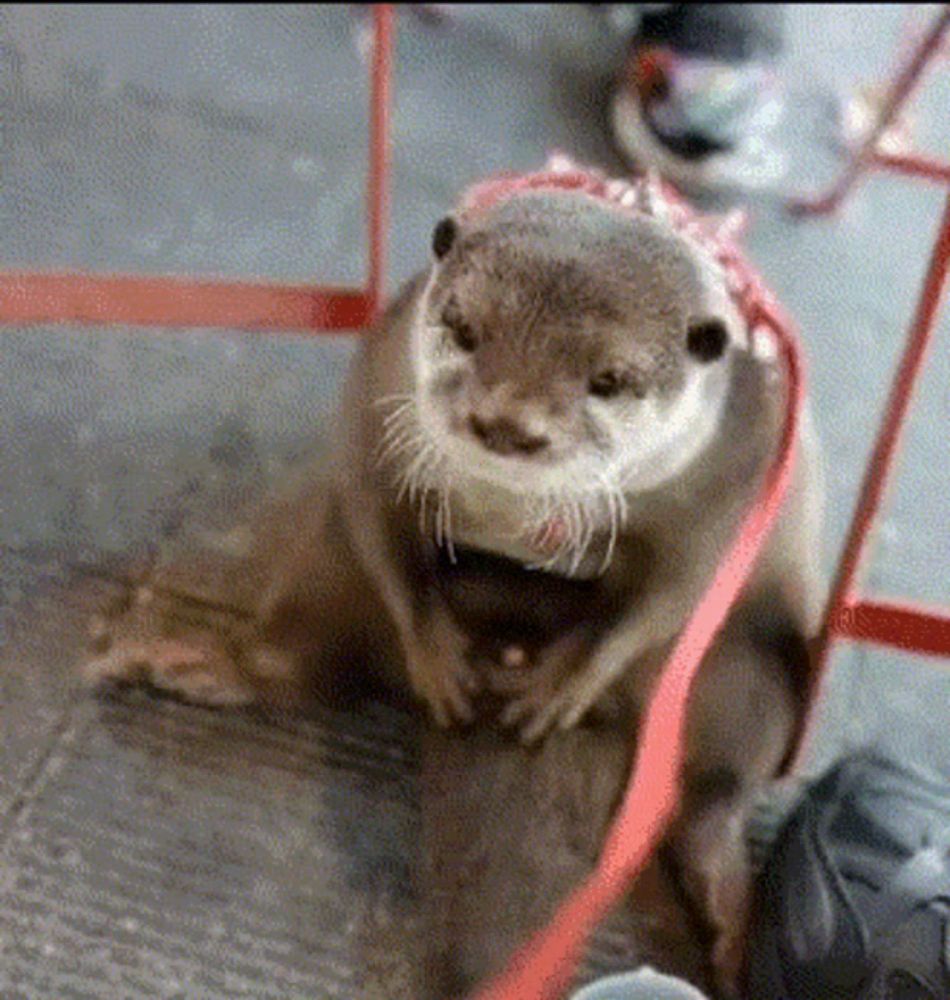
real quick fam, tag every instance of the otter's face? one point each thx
(561, 347)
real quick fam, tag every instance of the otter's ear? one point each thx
(444, 236)
(706, 339)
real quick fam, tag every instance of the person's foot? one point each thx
(698, 97)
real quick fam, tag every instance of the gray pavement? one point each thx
(151, 850)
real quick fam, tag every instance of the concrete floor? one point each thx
(150, 850)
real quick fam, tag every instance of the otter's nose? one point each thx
(506, 436)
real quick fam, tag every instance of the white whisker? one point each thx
(574, 531)
(402, 442)
(404, 425)
(613, 511)
(588, 522)
(438, 522)
(423, 511)
(423, 474)
(409, 478)
(399, 413)
(396, 397)
(396, 429)
(616, 504)
(447, 523)
(623, 511)
(401, 447)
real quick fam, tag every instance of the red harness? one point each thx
(544, 968)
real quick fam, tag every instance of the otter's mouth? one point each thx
(500, 445)
(516, 472)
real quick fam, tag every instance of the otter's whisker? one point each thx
(403, 441)
(449, 543)
(423, 511)
(574, 532)
(396, 429)
(588, 521)
(406, 423)
(623, 510)
(396, 449)
(410, 476)
(423, 476)
(441, 526)
(400, 413)
(613, 499)
(396, 397)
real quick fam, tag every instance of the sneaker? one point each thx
(698, 98)
(644, 984)
(859, 116)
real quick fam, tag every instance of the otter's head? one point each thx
(562, 346)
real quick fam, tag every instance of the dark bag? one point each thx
(854, 901)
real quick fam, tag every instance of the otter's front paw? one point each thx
(539, 689)
(440, 674)
(540, 709)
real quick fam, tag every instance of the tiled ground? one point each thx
(138, 855)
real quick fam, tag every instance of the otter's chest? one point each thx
(495, 599)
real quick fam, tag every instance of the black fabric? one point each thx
(854, 903)
(689, 145)
(728, 32)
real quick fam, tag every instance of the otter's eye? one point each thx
(463, 336)
(606, 385)
(707, 339)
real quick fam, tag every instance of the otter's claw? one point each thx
(442, 679)
(449, 698)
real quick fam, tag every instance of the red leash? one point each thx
(545, 967)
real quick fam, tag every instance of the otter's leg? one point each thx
(742, 719)
(268, 613)
(508, 832)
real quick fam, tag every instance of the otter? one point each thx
(542, 451)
